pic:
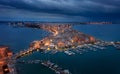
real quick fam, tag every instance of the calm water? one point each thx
(92, 62)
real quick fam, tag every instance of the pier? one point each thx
(48, 64)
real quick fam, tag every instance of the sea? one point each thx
(105, 61)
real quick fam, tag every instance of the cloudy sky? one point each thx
(60, 10)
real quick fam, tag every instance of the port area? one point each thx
(7, 65)
(62, 37)
(47, 63)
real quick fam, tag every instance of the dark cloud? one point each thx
(82, 8)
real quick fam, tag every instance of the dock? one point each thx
(48, 64)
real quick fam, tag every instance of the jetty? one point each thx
(48, 64)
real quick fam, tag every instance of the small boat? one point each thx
(117, 47)
(69, 52)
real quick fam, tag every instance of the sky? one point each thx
(60, 10)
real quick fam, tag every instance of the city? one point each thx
(61, 38)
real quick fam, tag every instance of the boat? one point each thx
(69, 52)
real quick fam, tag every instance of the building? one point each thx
(61, 44)
(92, 39)
(5, 54)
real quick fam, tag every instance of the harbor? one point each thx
(70, 49)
